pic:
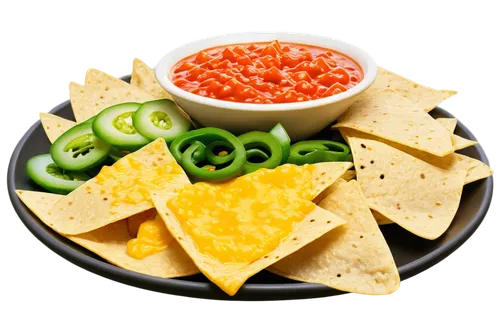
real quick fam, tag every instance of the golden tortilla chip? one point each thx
(110, 242)
(305, 181)
(54, 125)
(230, 277)
(87, 101)
(353, 257)
(144, 78)
(458, 141)
(395, 118)
(451, 162)
(419, 196)
(95, 77)
(424, 97)
(118, 191)
(347, 176)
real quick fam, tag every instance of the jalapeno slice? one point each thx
(78, 149)
(43, 171)
(160, 119)
(316, 151)
(263, 141)
(280, 134)
(190, 148)
(114, 126)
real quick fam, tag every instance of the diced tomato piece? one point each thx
(273, 74)
(202, 57)
(249, 71)
(302, 76)
(306, 87)
(336, 88)
(244, 60)
(228, 54)
(269, 61)
(184, 67)
(240, 50)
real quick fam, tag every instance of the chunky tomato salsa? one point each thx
(267, 73)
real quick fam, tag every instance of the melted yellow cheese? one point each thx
(242, 220)
(130, 181)
(295, 180)
(152, 237)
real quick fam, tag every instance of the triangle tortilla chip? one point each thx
(87, 101)
(395, 118)
(320, 176)
(95, 77)
(451, 162)
(231, 276)
(144, 78)
(353, 257)
(426, 98)
(118, 191)
(110, 242)
(458, 141)
(418, 196)
(54, 125)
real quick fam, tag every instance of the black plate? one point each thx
(412, 254)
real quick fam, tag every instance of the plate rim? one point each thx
(250, 291)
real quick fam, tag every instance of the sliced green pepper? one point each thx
(280, 134)
(316, 151)
(192, 147)
(258, 140)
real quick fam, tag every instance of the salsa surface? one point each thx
(266, 73)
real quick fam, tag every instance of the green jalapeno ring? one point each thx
(280, 134)
(196, 141)
(257, 139)
(316, 151)
(214, 159)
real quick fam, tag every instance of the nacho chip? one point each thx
(304, 181)
(110, 242)
(144, 78)
(395, 118)
(458, 141)
(118, 191)
(236, 229)
(95, 77)
(347, 176)
(87, 101)
(54, 125)
(353, 257)
(418, 196)
(424, 97)
(451, 162)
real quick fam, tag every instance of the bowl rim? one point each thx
(164, 67)
(206, 290)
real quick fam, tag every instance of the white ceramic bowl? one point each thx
(301, 119)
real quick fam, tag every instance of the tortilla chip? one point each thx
(95, 77)
(347, 176)
(92, 206)
(321, 176)
(458, 141)
(424, 97)
(395, 118)
(144, 78)
(381, 219)
(110, 242)
(451, 162)
(87, 101)
(230, 277)
(54, 125)
(353, 257)
(418, 196)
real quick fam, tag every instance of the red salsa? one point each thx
(267, 73)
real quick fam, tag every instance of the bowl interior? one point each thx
(412, 254)
(165, 65)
